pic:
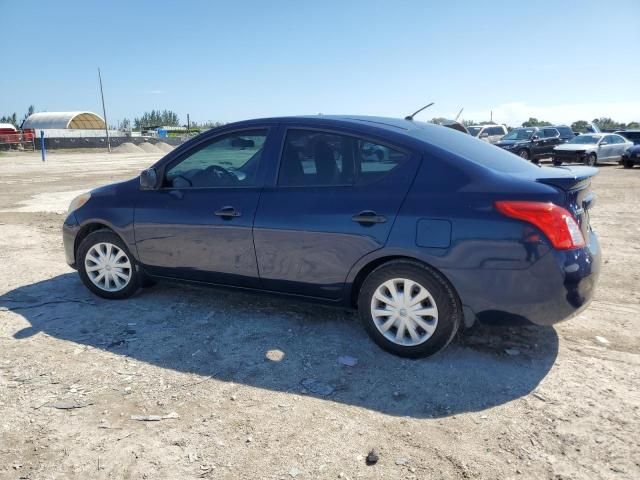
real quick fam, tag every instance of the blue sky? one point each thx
(224, 61)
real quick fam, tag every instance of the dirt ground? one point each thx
(246, 387)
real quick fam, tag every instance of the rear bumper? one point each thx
(556, 287)
(70, 229)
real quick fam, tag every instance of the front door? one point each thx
(335, 200)
(198, 225)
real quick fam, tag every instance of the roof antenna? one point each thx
(410, 117)
(459, 113)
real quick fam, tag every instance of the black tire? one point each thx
(556, 162)
(445, 297)
(591, 160)
(524, 154)
(626, 163)
(107, 236)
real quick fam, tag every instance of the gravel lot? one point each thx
(190, 382)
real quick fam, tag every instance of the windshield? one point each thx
(474, 131)
(519, 134)
(585, 139)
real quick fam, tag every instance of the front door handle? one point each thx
(228, 212)
(368, 217)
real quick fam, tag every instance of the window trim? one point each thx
(208, 141)
(333, 131)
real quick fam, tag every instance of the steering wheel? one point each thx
(222, 174)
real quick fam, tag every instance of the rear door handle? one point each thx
(369, 217)
(228, 212)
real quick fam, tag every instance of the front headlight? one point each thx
(79, 201)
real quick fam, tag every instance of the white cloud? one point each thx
(514, 113)
(154, 92)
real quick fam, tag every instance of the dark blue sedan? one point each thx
(422, 228)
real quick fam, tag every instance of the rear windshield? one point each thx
(473, 149)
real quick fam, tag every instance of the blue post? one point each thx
(42, 147)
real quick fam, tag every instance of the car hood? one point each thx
(575, 147)
(117, 188)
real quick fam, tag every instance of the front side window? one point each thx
(227, 161)
(315, 158)
(551, 132)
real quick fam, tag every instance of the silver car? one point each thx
(591, 148)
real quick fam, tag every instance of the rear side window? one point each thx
(315, 158)
(496, 131)
(551, 132)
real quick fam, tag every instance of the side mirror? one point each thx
(484, 135)
(149, 179)
(535, 137)
(604, 142)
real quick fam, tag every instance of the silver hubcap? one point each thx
(108, 267)
(524, 154)
(404, 312)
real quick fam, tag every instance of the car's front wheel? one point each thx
(591, 160)
(627, 163)
(556, 161)
(409, 309)
(106, 267)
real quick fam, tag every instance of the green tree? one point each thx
(580, 126)
(606, 123)
(633, 125)
(157, 118)
(534, 122)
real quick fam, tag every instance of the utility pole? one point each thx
(104, 113)
(491, 116)
(188, 123)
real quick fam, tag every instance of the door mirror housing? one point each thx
(149, 179)
(535, 137)
(484, 135)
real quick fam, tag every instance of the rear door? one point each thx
(198, 225)
(552, 138)
(333, 200)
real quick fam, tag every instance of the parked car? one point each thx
(591, 148)
(631, 156)
(488, 133)
(531, 143)
(446, 231)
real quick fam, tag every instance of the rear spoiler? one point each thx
(567, 178)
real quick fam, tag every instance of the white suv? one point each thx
(488, 133)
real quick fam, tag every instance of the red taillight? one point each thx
(555, 222)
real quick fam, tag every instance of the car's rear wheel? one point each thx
(591, 160)
(626, 163)
(524, 153)
(409, 309)
(106, 267)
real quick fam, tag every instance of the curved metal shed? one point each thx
(64, 120)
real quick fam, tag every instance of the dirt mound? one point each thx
(165, 147)
(150, 148)
(127, 147)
